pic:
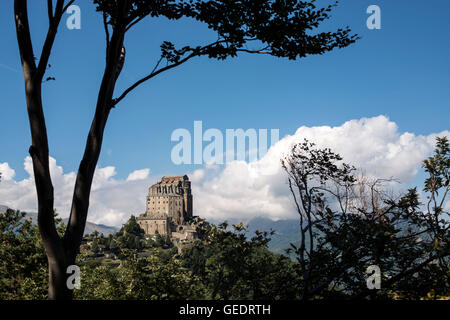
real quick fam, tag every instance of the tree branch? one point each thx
(50, 11)
(151, 75)
(80, 201)
(67, 6)
(105, 25)
(194, 53)
(134, 22)
(50, 38)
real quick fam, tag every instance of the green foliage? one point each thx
(154, 277)
(233, 267)
(130, 236)
(223, 265)
(438, 166)
(23, 264)
(94, 246)
(163, 241)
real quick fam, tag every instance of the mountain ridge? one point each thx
(286, 231)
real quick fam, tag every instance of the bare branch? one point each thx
(50, 11)
(105, 24)
(194, 53)
(50, 38)
(444, 196)
(259, 51)
(151, 75)
(134, 22)
(67, 6)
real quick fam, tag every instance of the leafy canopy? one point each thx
(283, 28)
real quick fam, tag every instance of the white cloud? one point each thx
(6, 172)
(138, 175)
(244, 190)
(112, 200)
(374, 144)
(238, 189)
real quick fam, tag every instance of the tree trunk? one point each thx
(57, 281)
(62, 253)
(80, 202)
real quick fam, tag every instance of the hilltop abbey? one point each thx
(169, 210)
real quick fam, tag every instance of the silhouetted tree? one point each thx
(349, 223)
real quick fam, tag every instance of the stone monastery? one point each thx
(169, 210)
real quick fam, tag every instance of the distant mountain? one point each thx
(286, 231)
(100, 228)
(90, 226)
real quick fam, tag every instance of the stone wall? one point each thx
(168, 208)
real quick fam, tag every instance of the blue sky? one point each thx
(401, 71)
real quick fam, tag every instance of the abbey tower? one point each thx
(169, 209)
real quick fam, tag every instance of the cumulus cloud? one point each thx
(138, 175)
(6, 172)
(112, 200)
(245, 190)
(238, 189)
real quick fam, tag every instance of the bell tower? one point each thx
(187, 196)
